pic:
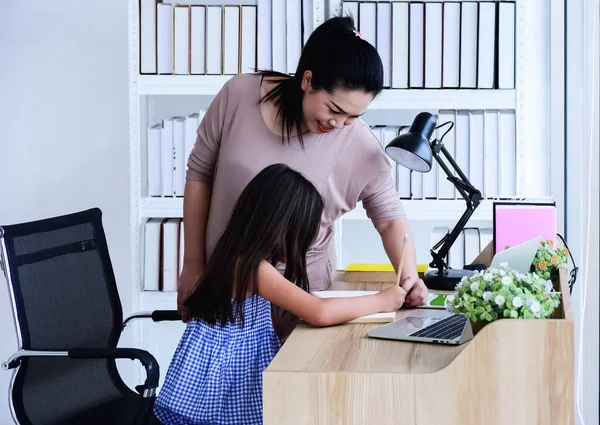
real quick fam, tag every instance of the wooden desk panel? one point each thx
(516, 372)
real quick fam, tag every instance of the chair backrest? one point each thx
(65, 295)
(63, 283)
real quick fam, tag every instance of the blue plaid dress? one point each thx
(215, 376)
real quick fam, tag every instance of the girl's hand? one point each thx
(392, 299)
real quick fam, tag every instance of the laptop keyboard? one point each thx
(448, 328)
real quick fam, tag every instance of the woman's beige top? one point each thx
(346, 165)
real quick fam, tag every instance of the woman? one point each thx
(310, 122)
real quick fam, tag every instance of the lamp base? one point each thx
(445, 281)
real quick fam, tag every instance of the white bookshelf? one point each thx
(153, 95)
(395, 99)
(426, 209)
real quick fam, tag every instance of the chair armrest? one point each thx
(147, 360)
(156, 316)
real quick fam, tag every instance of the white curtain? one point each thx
(588, 295)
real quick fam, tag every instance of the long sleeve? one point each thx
(202, 160)
(379, 196)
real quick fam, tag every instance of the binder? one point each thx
(231, 40)
(164, 38)
(197, 39)
(147, 36)
(433, 45)
(486, 57)
(279, 38)
(367, 21)
(506, 45)
(248, 43)
(151, 254)
(264, 34)
(451, 45)
(214, 40)
(416, 48)
(384, 39)
(468, 45)
(293, 12)
(400, 37)
(181, 40)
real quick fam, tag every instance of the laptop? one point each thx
(443, 327)
(435, 326)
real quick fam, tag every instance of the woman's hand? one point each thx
(392, 299)
(416, 291)
(186, 284)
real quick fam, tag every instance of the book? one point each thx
(435, 301)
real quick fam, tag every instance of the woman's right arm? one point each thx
(276, 289)
(197, 195)
(196, 204)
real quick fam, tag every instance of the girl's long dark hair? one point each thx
(276, 218)
(338, 58)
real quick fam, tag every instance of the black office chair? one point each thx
(69, 320)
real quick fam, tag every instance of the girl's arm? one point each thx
(323, 311)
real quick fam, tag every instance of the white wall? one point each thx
(64, 131)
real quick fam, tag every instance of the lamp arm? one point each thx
(469, 193)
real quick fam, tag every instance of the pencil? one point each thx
(402, 259)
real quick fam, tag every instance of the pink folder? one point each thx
(516, 223)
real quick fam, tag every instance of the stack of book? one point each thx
(435, 45)
(482, 142)
(208, 39)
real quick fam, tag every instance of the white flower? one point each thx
(549, 286)
(517, 302)
(507, 280)
(499, 299)
(488, 277)
(487, 295)
(556, 304)
(474, 286)
(504, 264)
(530, 301)
(502, 273)
(535, 307)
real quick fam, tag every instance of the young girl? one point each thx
(215, 376)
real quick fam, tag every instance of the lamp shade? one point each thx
(413, 150)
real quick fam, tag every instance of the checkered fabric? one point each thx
(215, 376)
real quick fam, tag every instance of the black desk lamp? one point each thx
(414, 151)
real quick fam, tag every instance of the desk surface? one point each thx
(338, 376)
(347, 348)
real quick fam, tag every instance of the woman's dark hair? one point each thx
(338, 59)
(276, 218)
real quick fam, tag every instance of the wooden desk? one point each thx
(512, 372)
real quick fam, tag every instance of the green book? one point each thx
(436, 301)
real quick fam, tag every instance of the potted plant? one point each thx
(494, 294)
(548, 260)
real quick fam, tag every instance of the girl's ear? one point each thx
(306, 81)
